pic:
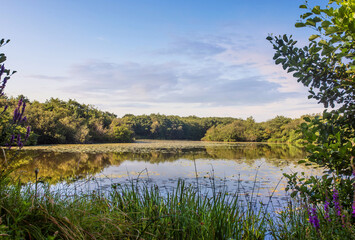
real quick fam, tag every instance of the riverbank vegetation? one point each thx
(63, 122)
(141, 212)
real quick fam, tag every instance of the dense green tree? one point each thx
(120, 132)
(327, 66)
(57, 121)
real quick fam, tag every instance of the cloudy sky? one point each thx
(196, 57)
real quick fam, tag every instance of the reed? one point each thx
(141, 211)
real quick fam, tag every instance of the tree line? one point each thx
(57, 122)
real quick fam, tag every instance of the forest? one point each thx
(62, 122)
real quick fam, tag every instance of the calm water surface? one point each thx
(243, 168)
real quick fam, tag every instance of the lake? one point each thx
(248, 169)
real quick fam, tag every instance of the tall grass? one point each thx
(127, 212)
(139, 211)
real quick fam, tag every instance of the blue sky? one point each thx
(204, 58)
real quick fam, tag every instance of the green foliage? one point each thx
(327, 67)
(293, 222)
(157, 126)
(120, 132)
(58, 121)
(278, 129)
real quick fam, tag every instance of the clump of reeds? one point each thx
(127, 212)
(140, 211)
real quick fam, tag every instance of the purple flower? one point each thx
(336, 202)
(19, 113)
(326, 209)
(19, 103)
(5, 108)
(353, 213)
(3, 85)
(313, 218)
(15, 115)
(23, 106)
(2, 69)
(27, 133)
(19, 142)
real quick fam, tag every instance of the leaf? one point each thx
(307, 119)
(291, 69)
(279, 60)
(303, 6)
(293, 194)
(311, 22)
(331, 30)
(304, 16)
(316, 10)
(297, 75)
(314, 36)
(285, 38)
(300, 24)
(277, 55)
(326, 24)
(269, 38)
(317, 19)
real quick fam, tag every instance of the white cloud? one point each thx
(204, 76)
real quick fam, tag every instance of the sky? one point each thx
(173, 57)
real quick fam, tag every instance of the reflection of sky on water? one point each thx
(259, 180)
(253, 171)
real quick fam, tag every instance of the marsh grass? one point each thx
(141, 211)
(133, 211)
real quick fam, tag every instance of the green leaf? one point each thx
(323, 42)
(279, 60)
(304, 16)
(300, 24)
(269, 38)
(316, 10)
(331, 30)
(314, 36)
(293, 194)
(277, 55)
(317, 19)
(285, 38)
(297, 75)
(291, 69)
(326, 24)
(2, 58)
(311, 22)
(302, 6)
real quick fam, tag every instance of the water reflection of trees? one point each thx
(56, 166)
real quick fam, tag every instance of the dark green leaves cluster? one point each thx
(57, 121)
(327, 64)
(327, 67)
